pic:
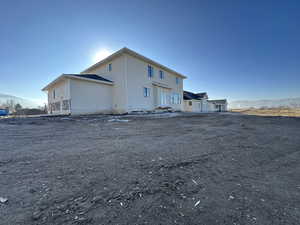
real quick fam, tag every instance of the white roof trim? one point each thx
(63, 76)
(135, 54)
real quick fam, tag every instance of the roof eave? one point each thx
(135, 54)
(88, 79)
(74, 77)
(107, 59)
(52, 83)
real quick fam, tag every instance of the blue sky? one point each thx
(233, 49)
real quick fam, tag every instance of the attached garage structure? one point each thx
(79, 94)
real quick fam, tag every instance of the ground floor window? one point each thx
(190, 103)
(164, 98)
(146, 92)
(175, 98)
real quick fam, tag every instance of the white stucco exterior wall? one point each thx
(205, 107)
(90, 97)
(195, 107)
(118, 76)
(187, 106)
(199, 106)
(137, 79)
(211, 107)
(130, 76)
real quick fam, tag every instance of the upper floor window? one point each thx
(53, 93)
(146, 92)
(150, 71)
(161, 75)
(177, 80)
(109, 67)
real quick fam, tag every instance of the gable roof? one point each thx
(134, 54)
(190, 95)
(87, 77)
(218, 101)
(202, 95)
(90, 76)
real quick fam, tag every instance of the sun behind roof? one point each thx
(101, 54)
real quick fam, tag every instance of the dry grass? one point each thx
(270, 112)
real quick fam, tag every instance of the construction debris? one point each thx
(230, 197)
(3, 200)
(118, 120)
(197, 203)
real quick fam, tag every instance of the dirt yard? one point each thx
(160, 169)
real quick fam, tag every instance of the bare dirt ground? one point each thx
(180, 169)
(295, 112)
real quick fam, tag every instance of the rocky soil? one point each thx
(168, 168)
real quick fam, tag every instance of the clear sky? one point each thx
(230, 49)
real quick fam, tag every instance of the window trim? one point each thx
(150, 71)
(161, 74)
(146, 92)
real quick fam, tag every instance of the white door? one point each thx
(163, 97)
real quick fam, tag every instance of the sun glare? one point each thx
(103, 53)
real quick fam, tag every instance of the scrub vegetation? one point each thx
(293, 112)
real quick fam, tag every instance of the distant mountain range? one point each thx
(276, 103)
(25, 103)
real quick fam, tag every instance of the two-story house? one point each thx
(123, 82)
